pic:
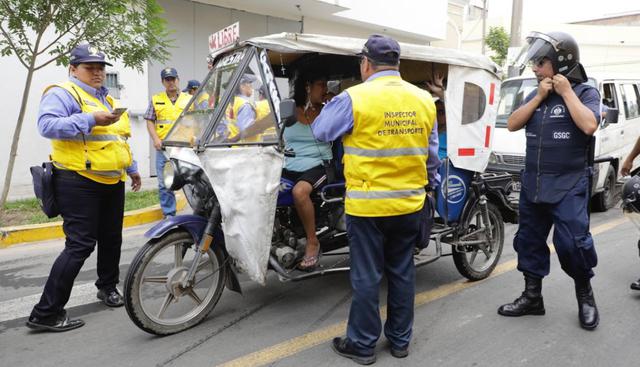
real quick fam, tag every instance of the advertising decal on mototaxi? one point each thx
(228, 154)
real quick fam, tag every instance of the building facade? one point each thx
(192, 22)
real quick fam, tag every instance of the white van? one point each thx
(615, 136)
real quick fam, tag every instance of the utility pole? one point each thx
(484, 23)
(516, 28)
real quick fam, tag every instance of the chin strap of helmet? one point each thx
(576, 74)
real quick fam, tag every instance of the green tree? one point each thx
(41, 32)
(498, 42)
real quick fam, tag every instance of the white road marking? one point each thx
(21, 307)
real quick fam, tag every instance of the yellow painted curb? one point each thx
(10, 236)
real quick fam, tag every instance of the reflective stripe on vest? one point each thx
(104, 152)
(168, 112)
(384, 194)
(386, 153)
(93, 138)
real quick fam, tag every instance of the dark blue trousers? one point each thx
(382, 246)
(92, 213)
(571, 237)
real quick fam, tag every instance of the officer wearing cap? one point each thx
(203, 98)
(91, 157)
(163, 111)
(241, 113)
(560, 118)
(387, 166)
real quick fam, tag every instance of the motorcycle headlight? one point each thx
(177, 173)
(493, 159)
(169, 174)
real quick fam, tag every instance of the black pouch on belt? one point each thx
(329, 171)
(43, 188)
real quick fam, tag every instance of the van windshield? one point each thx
(513, 93)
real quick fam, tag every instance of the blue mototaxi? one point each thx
(242, 221)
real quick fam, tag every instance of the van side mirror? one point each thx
(611, 116)
(288, 112)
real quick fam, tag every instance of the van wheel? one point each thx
(604, 200)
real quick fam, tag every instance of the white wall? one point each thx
(319, 26)
(33, 148)
(416, 19)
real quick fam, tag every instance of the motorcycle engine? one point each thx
(284, 247)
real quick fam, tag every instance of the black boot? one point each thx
(587, 310)
(636, 285)
(529, 303)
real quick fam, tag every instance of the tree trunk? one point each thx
(16, 137)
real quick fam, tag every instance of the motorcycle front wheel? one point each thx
(155, 298)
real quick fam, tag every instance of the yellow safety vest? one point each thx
(167, 112)
(204, 98)
(385, 156)
(262, 110)
(101, 156)
(232, 117)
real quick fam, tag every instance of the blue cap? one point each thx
(168, 72)
(192, 84)
(86, 53)
(247, 78)
(382, 49)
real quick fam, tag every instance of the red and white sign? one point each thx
(224, 37)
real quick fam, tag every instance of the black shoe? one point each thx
(111, 298)
(587, 309)
(400, 353)
(343, 347)
(529, 303)
(56, 324)
(636, 285)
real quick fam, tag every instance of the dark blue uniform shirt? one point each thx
(557, 150)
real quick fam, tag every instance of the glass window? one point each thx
(248, 117)
(630, 100)
(473, 103)
(609, 95)
(112, 83)
(203, 104)
(512, 94)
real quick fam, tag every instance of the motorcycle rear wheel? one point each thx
(153, 296)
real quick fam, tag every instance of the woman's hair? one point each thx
(300, 86)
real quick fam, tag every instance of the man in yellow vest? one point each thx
(90, 157)
(163, 111)
(203, 99)
(390, 144)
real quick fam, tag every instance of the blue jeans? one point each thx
(167, 197)
(382, 246)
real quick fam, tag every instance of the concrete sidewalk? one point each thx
(17, 235)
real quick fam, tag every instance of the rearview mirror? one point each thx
(288, 112)
(611, 116)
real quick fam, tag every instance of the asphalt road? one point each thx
(291, 324)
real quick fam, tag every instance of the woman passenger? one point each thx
(306, 168)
